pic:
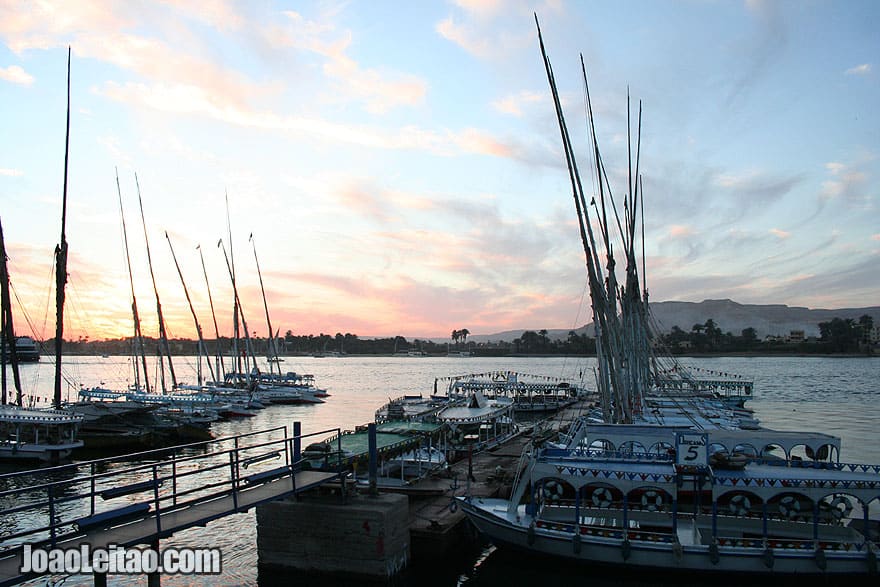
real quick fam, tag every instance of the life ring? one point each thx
(552, 490)
(740, 505)
(457, 436)
(789, 507)
(652, 501)
(601, 497)
(841, 507)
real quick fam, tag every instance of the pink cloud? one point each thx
(680, 231)
(781, 234)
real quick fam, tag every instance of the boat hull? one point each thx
(12, 451)
(491, 519)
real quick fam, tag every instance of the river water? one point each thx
(833, 395)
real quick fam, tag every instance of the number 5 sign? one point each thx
(691, 450)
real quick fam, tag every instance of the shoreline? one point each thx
(531, 355)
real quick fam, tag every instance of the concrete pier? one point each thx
(366, 537)
(375, 537)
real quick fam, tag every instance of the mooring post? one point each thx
(297, 441)
(154, 579)
(371, 439)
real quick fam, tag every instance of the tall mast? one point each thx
(7, 326)
(61, 259)
(163, 336)
(139, 351)
(238, 305)
(271, 339)
(213, 314)
(230, 262)
(202, 345)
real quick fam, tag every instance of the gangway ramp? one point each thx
(143, 497)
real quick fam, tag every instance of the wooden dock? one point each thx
(435, 524)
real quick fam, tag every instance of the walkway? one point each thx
(112, 501)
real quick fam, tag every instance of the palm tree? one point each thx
(455, 336)
(544, 340)
(464, 334)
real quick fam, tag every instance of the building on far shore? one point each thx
(795, 336)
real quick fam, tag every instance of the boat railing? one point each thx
(45, 506)
(605, 455)
(569, 516)
(606, 531)
(805, 464)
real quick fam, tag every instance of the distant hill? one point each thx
(730, 316)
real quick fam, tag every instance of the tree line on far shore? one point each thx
(837, 336)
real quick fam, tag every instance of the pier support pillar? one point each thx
(365, 537)
(100, 579)
(154, 579)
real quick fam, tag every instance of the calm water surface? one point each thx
(834, 395)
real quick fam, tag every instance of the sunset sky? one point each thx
(399, 165)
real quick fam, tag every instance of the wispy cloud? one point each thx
(863, 69)
(780, 234)
(492, 29)
(758, 53)
(221, 14)
(514, 104)
(380, 90)
(16, 75)
(680, 230)
(848, 182)
(11, 172)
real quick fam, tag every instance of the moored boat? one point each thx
(664, 476)
(532, 394)
(676, 511)
(26, 350)
(41, 435)
(477, 423)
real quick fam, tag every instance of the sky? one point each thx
(399, 167)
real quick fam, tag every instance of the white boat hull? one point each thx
(13, 451)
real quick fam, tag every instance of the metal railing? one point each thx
(49, 505)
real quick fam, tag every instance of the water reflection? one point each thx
(837, 396)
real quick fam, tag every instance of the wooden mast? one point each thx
(202, 346)
(220, 366)
(163, 336)
(138, 351)
(7, 327)
(239, 314)
(61, 259)
(271, 340)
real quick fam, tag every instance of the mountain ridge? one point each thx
(728, 315)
